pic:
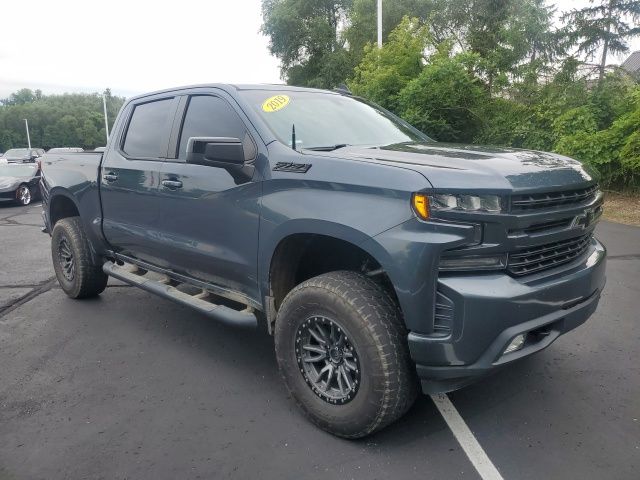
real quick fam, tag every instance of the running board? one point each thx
(164, 288)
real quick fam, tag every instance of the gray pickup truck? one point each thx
(381, 261)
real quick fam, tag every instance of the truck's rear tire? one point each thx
(341, 348)
(77, 273)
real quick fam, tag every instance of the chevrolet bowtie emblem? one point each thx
(583, 220)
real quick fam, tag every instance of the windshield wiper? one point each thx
(329, 148)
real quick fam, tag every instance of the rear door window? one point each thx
(148, 132)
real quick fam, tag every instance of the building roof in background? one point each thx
(632, 64)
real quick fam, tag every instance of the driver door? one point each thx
(210, 218)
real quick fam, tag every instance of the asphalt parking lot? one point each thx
(131, 386)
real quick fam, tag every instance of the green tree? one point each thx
(362, 28)
(606, 24)
(614, 151)
(445, 100)
(307, 38)
(21, 97)
(69, 120)
(507, 35)
(539, 42)
(385, 71)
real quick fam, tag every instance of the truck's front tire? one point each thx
(341, 348)
(77, 273)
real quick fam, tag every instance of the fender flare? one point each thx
(268, 246)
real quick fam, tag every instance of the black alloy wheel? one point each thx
(327, 360)
(65, 257)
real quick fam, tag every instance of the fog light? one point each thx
(516, 344)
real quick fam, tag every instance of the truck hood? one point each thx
(457, 166)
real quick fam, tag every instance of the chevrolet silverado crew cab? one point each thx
(383, 262)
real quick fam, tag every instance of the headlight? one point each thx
(466, 203)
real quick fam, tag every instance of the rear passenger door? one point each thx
(130, 177)
(210, 215)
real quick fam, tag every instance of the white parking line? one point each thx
(486, 469)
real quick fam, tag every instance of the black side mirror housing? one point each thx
(215, 151)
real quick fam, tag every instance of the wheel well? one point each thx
(61, 207)
(300, 257)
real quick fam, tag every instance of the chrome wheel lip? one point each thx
(327, 360)
(66, 259)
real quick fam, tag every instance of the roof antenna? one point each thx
(293, 136)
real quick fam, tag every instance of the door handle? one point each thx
(110, 177)
(172, 184)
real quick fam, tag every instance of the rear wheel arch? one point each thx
(61, 206)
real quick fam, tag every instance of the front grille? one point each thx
(544, 227)
(540, 201)
(544, 257)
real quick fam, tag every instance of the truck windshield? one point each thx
(326, 120)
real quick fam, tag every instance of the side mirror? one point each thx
(215, 151)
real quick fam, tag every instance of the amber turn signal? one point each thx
(420, 203)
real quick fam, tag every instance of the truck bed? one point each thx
(71, 165)
(78, 174)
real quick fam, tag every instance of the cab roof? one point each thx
(238, 87)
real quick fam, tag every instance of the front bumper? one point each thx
(491, 309)
(8, 194)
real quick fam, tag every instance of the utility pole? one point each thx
(106, 122)
(26, 124)
(379, 23)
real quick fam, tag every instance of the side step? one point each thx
(164, 288)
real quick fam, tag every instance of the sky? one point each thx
(134, 47)
(131, 46)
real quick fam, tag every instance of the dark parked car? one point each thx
(23, 155)
(19, 183)
(378, 258)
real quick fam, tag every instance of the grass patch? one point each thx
(622, 208)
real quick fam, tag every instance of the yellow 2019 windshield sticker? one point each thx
(275, 103)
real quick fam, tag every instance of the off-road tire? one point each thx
(374, 325)
(87, 278)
